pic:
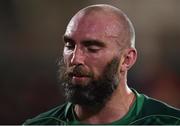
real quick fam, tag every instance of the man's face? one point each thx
(91, 60)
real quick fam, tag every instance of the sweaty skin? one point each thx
(94, 36)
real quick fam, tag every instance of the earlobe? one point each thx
(128, 59)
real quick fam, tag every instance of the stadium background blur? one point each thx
(31, 44)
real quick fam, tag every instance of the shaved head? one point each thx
(117, 24)
(99, 48)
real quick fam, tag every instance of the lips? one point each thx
(79, 78)
(77, 75)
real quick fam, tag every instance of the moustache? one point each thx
(78, 71)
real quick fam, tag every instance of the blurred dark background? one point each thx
(30, 45)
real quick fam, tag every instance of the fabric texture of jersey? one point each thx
(144, 111)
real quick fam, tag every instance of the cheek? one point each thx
(99, 61)
(97, 64)
(66, 57)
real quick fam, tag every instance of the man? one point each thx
(99, 49)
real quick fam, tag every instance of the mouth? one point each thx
(77, 75)
(79, 78)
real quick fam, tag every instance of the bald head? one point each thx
(99, 45)
(111, 21)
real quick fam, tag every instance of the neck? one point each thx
(113, 109)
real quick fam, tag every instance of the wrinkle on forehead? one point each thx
(100, 22)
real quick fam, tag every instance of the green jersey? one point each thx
(144, 111)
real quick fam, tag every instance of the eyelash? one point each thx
(71, 46)
(92, 50)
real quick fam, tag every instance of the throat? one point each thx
(86, 113)
(104, 115)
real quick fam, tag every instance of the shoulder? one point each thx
(157, 112)
(154, 106)
(54, 116)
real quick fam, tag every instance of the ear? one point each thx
(128, 59)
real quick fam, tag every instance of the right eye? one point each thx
(69, 45)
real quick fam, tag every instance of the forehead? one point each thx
(94, 25)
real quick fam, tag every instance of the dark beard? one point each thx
(94, 93)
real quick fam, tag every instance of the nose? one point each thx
(77, 57)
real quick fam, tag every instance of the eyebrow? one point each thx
(67, 39)
(91, 42)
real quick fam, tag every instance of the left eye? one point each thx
(69, 45)
(93, 49)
